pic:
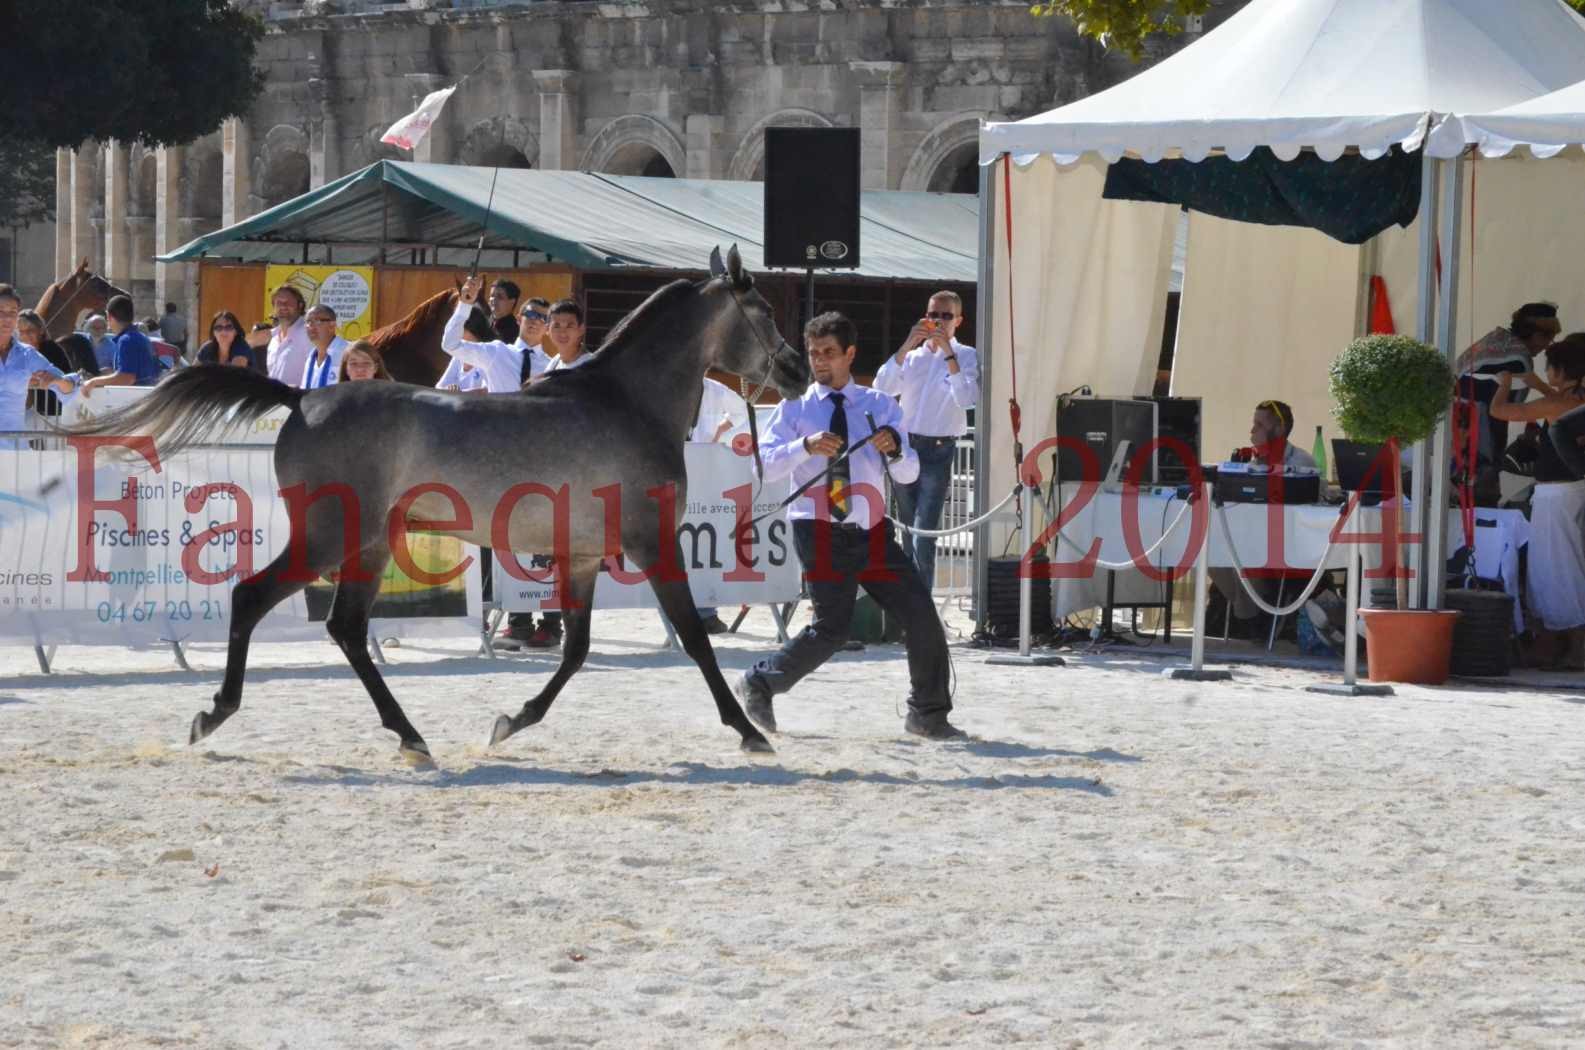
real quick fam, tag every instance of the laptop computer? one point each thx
(1357, 469)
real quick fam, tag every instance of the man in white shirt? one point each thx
(937, 380)
(287, 342)
(532, 322)
(469, 337)
(565, 334)
(842, 534)
(323, 365)
(22, 369)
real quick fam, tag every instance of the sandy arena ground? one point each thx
(1117, 860)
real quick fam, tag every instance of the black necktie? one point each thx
(841, 475)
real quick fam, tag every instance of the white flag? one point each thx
(411, 129)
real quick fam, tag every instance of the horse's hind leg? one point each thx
(348, 625)
(574, 648)
(251, 600)
(676, 601)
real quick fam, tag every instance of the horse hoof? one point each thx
(503, 728)
(758, 745)
(200, 728)
(416, 754)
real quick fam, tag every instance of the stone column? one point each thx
(558, 119)
(706, 159)
(323, 165)
(83, 239)
(118, 233)
(880, 109)
(63, 213)
(236, 151)
(170, 279)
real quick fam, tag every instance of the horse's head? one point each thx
(750, 345)
(79, 292)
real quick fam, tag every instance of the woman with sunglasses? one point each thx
(226, 345)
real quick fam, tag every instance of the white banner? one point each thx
(764, 572)
(169, 546)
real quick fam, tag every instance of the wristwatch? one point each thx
(950, 357)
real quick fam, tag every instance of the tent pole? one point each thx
(984, 312)
(1425, 311)
(1452, 206)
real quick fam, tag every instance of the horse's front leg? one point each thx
(574, 648)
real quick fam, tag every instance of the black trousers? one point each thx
(519, 622)
(837, 562)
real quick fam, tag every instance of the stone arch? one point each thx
(749, 161)
(203, 180)
(282, 171)
(504, 142)
(947, 158)
(636, 144)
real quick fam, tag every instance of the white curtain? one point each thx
(1265, 310)
(1089, 280)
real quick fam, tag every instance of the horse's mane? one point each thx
(662, 299)
(424, 314)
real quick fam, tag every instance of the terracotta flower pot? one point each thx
(1414, 646)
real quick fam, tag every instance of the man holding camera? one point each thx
(937, 379)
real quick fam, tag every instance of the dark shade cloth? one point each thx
(1350, 199)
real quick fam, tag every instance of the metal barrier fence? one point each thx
(955, 554)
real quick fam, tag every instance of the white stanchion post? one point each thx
(1196, 671)
(1026, 657)
(1350, 685)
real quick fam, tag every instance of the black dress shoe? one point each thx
(715, 625)
(756, 704)
(932, 727)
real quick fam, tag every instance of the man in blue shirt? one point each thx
(841, 532)
(134, 363)
(22, 369)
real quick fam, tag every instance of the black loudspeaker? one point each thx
(1101, 424)
(1177, 417)
(812, 198)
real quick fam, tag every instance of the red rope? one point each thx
(1013, 410)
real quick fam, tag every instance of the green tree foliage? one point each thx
(27, 183)
(162, 72)
(1124, 24)
(1390, 386)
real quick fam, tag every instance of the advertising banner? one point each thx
(348, 290)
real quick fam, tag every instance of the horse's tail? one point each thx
(191, 402)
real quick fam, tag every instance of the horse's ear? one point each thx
(717, 267)
(734, 268)
(82, 267)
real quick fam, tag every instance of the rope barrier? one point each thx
(966, 526)
(1315, 578)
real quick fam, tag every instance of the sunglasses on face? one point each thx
(534, 315)
(938, 315)
(224, 328)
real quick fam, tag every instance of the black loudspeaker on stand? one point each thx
(812, 200)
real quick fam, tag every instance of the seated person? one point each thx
(134, 363)
(1269, 429)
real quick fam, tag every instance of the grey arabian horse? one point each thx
(607, 436)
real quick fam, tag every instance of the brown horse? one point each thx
(411, 346)
(68, 298)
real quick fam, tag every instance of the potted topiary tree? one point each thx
(1392, 390)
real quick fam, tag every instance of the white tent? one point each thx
(1547, 125)
(1075, 293)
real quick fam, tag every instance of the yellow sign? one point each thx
(348, 290)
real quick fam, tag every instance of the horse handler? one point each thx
(841, 532)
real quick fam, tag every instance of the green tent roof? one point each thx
(587, 220)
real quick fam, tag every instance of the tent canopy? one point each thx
(590, 221)
(1326, 75)
(1547, 125)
